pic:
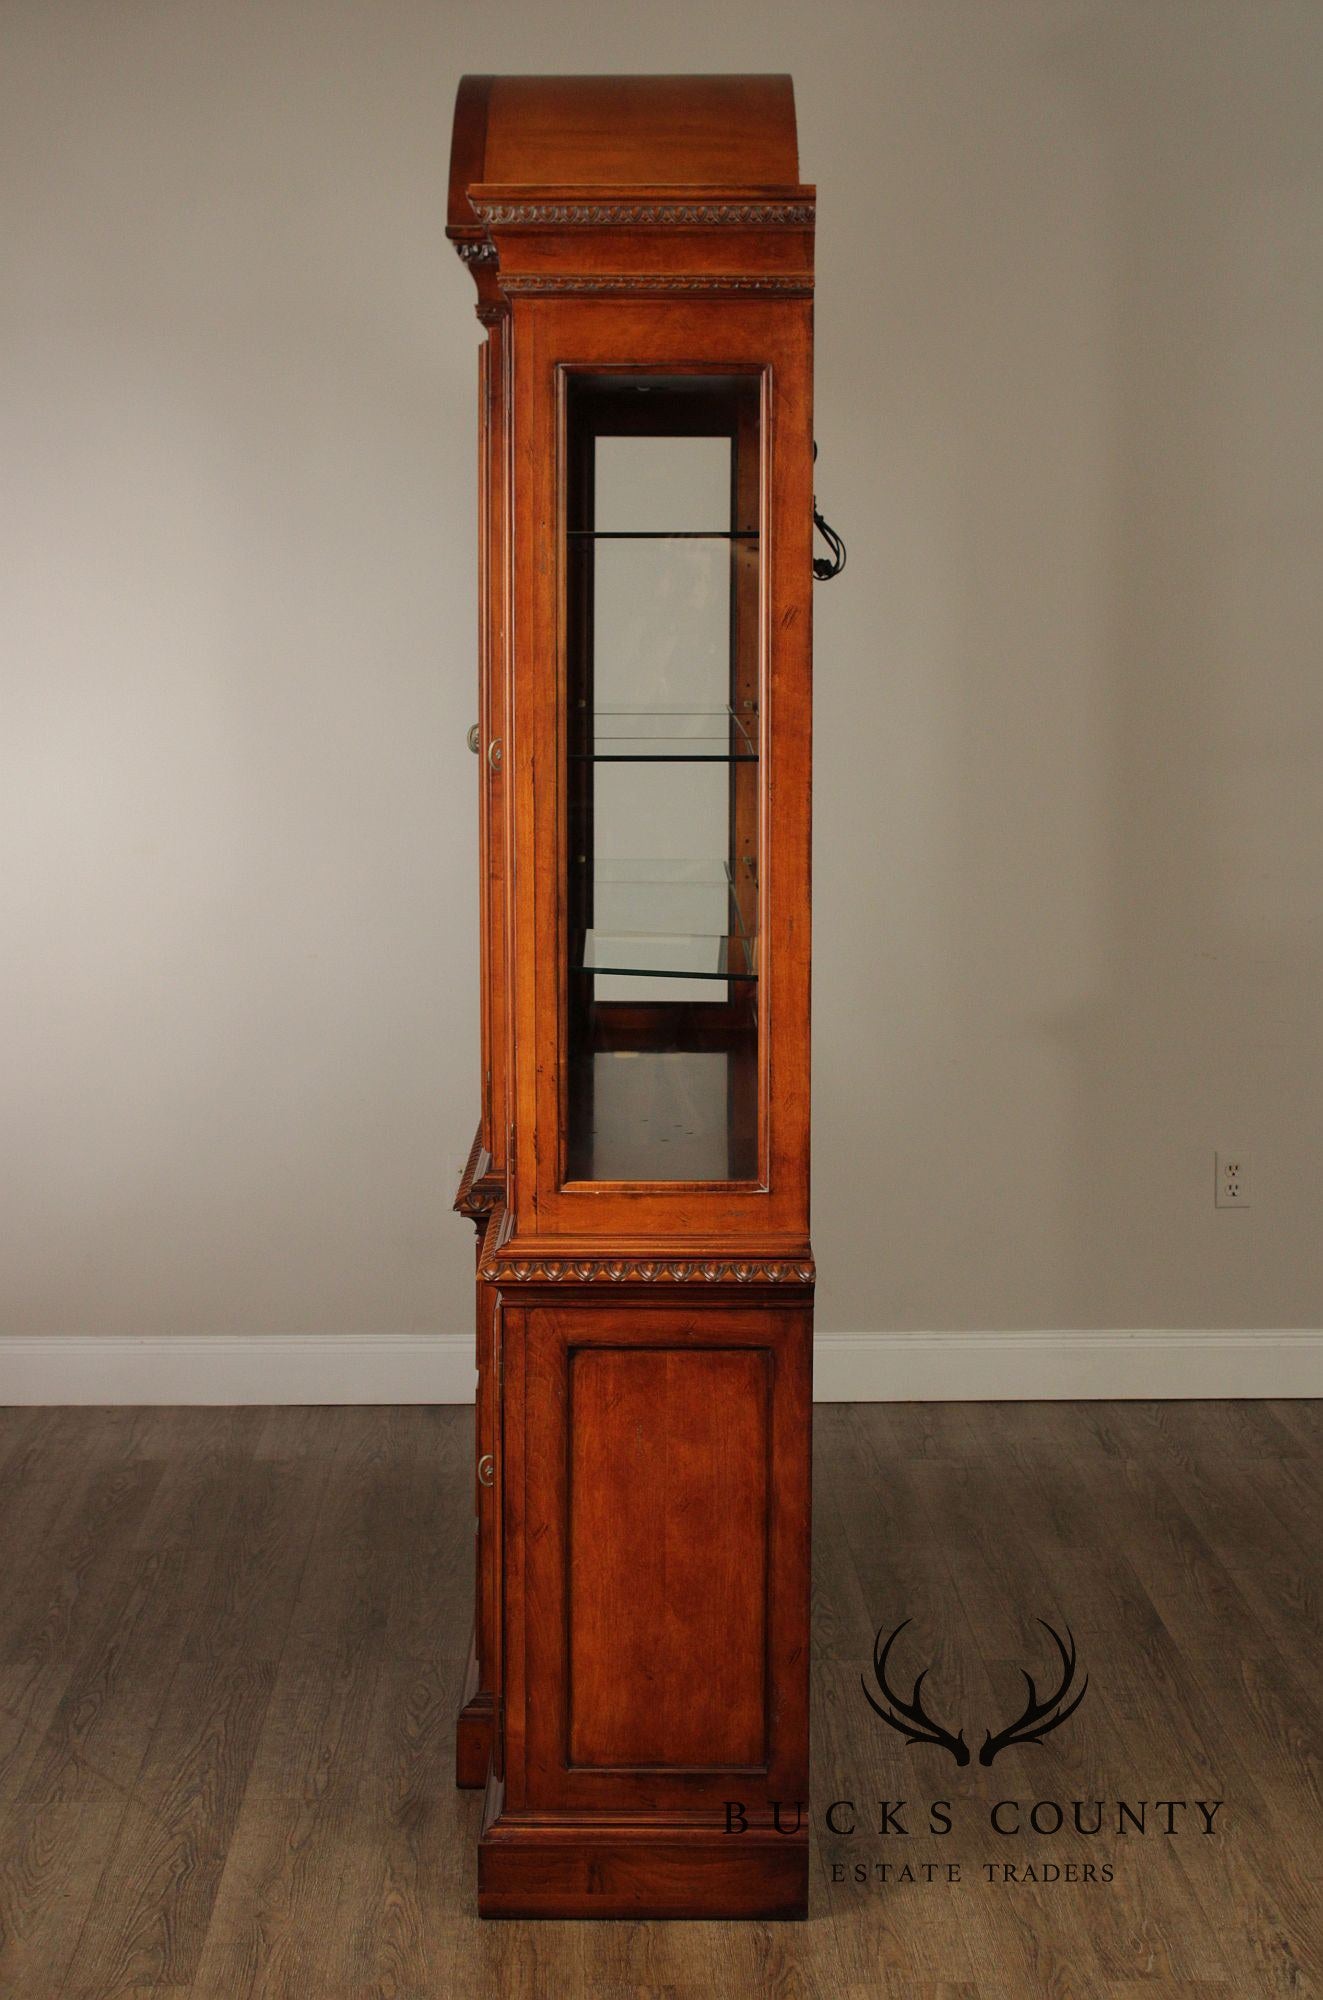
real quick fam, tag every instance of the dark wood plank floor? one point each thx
(231, 1646)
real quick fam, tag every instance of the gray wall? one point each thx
(1069, 815)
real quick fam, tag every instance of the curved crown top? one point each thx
(620, 132)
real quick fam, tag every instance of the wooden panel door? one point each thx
(657, 1556)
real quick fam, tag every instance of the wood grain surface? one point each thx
(232, 1643)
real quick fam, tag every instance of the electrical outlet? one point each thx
(1232, 1189)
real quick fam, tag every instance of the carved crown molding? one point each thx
(662, 214)
(480, 1200)
(631, 1271)
(480, 1190)
(476, 253)
(597, 283)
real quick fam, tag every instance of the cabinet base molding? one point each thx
(582, 1870)
(473, 1743)
(474, 1727)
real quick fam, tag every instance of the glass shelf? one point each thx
(665, 898)
(662, 534)
(653, 955)
(671, 736)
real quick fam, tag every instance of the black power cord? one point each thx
(826, 567)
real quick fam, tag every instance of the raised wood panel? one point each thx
(631, 1423)
(667, 1556)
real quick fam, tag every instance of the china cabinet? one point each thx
(637, 1696)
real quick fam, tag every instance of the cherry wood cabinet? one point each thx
(637, 1696)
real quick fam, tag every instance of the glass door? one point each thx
(664, 741)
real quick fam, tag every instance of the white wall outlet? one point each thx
(1232, 1189)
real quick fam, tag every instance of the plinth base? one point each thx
(558, 1870)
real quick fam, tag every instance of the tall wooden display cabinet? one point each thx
(637, 1697)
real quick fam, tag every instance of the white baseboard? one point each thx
(848, 1367)
(254, 1368)
(1109, 1362)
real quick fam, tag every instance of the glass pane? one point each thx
(670, 735)
(663, 733)
(661, 617)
